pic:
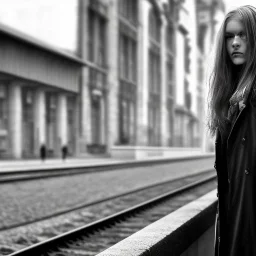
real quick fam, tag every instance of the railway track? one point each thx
(95, 237)
(119, 201)
(44, 171)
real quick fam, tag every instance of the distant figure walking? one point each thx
(64, 151)
(43, 152)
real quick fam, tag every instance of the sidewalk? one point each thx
(32, 164)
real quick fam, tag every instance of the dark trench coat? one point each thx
(235, 164)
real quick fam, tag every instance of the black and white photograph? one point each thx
(127, 127)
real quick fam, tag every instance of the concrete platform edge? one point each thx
(172, 234)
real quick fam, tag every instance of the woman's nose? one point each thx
(236, 41)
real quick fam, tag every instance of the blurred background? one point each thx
(106, 77)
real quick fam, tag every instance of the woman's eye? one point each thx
(228, 37)
(242, 36)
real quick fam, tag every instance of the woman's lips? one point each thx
(237, 54)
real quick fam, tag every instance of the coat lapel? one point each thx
(242, 106)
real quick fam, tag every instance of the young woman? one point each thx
(233, 120)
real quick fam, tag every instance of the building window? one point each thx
(97, 85)
(186, 56)
(202, 30)
(97, 26)
(127, 61)
(170, 122)
(3, 119)
(179, 130)
(28, 126)
(127, 71)
(128, 10)
(170, 98)
(154, 72)
(96, 38)
(52, 107)
(71, 117)
(154, 26)
(172, 12)
(127, 107)
(28, 110)
(187, 95)
(101, 56)
(154, 127)
(170, 77)
(51, 122)
(170, 39)
(172, 9)
(96, 119)
(170, 46)
(3, 107)
(97, 79)
(91, 36)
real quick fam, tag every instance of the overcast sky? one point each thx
(54, 21)
(230, 4)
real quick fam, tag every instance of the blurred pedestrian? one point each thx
(64, 151)
(233, 120)
(42, 152)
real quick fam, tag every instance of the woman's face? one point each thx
(236, 41)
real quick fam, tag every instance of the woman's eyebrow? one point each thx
(235, 31)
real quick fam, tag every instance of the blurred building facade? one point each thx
(210, 14)
(134, 84)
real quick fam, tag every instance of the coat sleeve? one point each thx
(217, 233)
(217, 219)
(222, 189)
